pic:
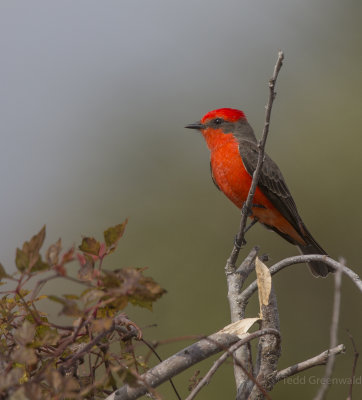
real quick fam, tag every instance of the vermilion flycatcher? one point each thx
(234, 155)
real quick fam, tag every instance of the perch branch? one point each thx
(181, 361)
(236, 278)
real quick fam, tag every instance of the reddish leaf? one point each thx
(86, 270)
(113, 234)
(90, 246)
(68, 256)
(81, 258)
(102, 250)
(60, 270)
(52, 254)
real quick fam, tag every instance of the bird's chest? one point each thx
(229, 173)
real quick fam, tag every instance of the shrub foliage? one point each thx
(89, 354)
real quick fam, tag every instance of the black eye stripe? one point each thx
(217, 121)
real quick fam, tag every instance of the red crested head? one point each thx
(227, 114)
(225, 125)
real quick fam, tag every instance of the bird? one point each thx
(234, 154)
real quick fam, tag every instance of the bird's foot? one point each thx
(258, 206)
(239, 243)
(248, 211)
(252, 223)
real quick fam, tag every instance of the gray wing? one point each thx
(272, 184)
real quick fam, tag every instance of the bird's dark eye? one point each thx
(217, 121)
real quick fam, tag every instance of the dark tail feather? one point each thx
(318, 268)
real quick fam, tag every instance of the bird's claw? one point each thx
(246, 210)
(239, 244)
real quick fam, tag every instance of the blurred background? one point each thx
(94, 100)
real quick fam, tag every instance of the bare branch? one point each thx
(269, 351)
(181, 361)
(252, 288)
(206, 379)
(320, 359)
(235, 281)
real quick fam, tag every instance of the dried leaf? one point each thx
(100, 325)
(90, 245)
(130, 285)
(264, 283)
(24, 355)
(25, 333)
(113, 234)
(239, 328)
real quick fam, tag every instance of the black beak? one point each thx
(197, 125)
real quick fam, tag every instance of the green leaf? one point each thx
(3, 273)
(21, 260)
(36, 242)
(40, 265)
(113, 234)
(29, 256)
(90, 246)
(70, 307)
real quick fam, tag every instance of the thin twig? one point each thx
(261, 146)
(320, 359)
(356, 355)
(333, 335)
(153, 350)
